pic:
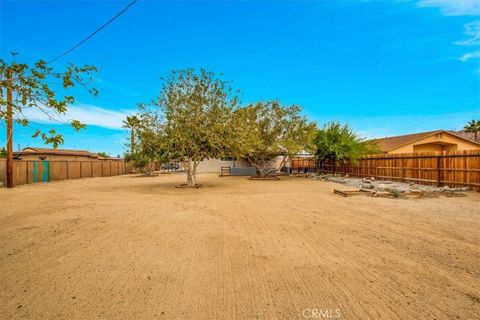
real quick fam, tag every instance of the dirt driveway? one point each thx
(128, 247)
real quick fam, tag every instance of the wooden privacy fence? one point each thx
(32, 171)
(454, 169)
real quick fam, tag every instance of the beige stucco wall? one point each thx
(437, 143)
(214, 165)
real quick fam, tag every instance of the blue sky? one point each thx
(384, 67)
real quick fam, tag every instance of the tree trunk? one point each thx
(191, 171)
(263, 171)
(282, 163)
(260, 170)
(132, 142)
(150, 169)
(190, 179)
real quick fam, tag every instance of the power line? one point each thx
(94, 33)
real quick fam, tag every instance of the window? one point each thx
(228, 159)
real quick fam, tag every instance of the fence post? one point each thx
(402, 164)
(67, 169)
(439, 171)
(81, 169)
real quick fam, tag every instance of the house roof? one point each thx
(63, 152)
(390, 143)
(466, 135)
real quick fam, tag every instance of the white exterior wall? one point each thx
(214, 165)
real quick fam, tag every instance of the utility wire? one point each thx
(94, 33)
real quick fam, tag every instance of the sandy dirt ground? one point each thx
(130, 247)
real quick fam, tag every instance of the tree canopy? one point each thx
(103, 154)
(338, 142)
(193, 120)
(32, 88)
(266, 130)
(151, 145)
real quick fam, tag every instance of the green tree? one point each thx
(338, 142)
(152, 144)
(32, 89)
(195, 109)
(3, 152)
(103, 154)
(131, 122)
(266, 130)
(473, 126)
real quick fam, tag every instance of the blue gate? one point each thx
(41, 171)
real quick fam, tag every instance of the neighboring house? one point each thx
(431, 141)
(30, 153)
(215, 165)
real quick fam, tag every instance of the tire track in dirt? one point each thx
(130, 248)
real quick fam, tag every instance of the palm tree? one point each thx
(473, 126)
(131, 123)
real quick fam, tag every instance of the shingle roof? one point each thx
(466, 135)
(63, 152)
(389, 143)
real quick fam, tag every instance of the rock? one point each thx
(383, 186)
(367, 185)
(450, 189)
(392, 187)
(401, 189)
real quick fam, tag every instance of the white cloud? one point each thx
(472, 30)
(454, 7)
(471, 55)
(88, 114)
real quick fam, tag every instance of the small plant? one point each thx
(103, 154)
(395, 193)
